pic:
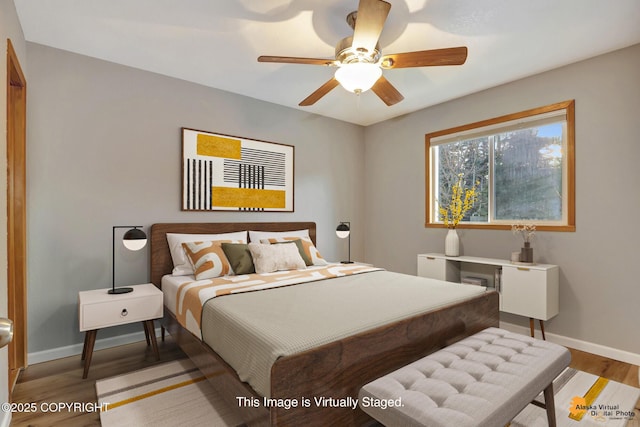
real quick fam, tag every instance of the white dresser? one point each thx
(525, 290)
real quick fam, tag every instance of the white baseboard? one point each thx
(600, 350)
(76, 349)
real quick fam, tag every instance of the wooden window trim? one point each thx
(569, 106)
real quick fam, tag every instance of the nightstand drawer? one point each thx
(120, 310)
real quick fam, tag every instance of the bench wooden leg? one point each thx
(550, 405)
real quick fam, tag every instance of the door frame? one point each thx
(16, 214)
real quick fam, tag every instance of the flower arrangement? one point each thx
(462, 200)
(527, 231)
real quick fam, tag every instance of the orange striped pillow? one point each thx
(208, 258)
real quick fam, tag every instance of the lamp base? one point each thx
(115, 291)
(346, 262)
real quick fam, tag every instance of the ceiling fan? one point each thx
(360, 61)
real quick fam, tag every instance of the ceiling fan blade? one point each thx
(424, 58)
(387, 92)
(294, 60)
(370, 20)
(319, 93)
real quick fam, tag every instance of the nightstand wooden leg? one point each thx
(542, 329)
(146, 332)
(152, 337)
(162, 331)
(84, 347)
(90, 340)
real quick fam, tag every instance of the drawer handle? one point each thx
(430, 257)
(523, 269)
(124, 312)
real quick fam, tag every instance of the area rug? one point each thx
(175, 393)
(614, 406)
(171, 394)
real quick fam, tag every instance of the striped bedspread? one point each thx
(192, 296)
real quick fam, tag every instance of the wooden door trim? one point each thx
(16, 213)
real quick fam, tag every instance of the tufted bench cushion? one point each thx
(484, 380)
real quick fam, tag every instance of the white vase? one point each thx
(452, 243)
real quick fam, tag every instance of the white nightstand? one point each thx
(97, 309)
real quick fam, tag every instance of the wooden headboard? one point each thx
(161, 262)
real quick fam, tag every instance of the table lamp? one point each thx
(344, 231)
(134, 240)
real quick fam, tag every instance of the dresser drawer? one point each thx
(434, 267)
(120, 311)
(530, 292)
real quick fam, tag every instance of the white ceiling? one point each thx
(216, 43)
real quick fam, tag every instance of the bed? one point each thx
(336, 369)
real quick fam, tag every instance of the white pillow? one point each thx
(270, 258)
(256, 236)
(181, 264)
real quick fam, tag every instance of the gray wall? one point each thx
(599, 284)
(104, 149)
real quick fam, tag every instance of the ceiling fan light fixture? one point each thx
(358, 77)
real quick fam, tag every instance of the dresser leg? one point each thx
(542, 329)
(152, 337)
(90, 340)
(531, 326)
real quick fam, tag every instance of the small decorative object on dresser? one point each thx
(452, 243)
(460, 203)
(527, 231)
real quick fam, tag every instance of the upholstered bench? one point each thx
(484, 380)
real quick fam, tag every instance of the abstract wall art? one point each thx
(230, 173)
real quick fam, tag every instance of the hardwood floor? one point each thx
(61, 380)
(608, 368)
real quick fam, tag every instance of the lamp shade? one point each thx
(343, 230)
(134, 239)
(358, 77)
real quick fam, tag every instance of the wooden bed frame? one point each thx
(338, 369)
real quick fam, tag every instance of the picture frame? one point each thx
(230, 173)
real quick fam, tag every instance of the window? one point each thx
(521, 164)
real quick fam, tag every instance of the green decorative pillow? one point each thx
(239, 257)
